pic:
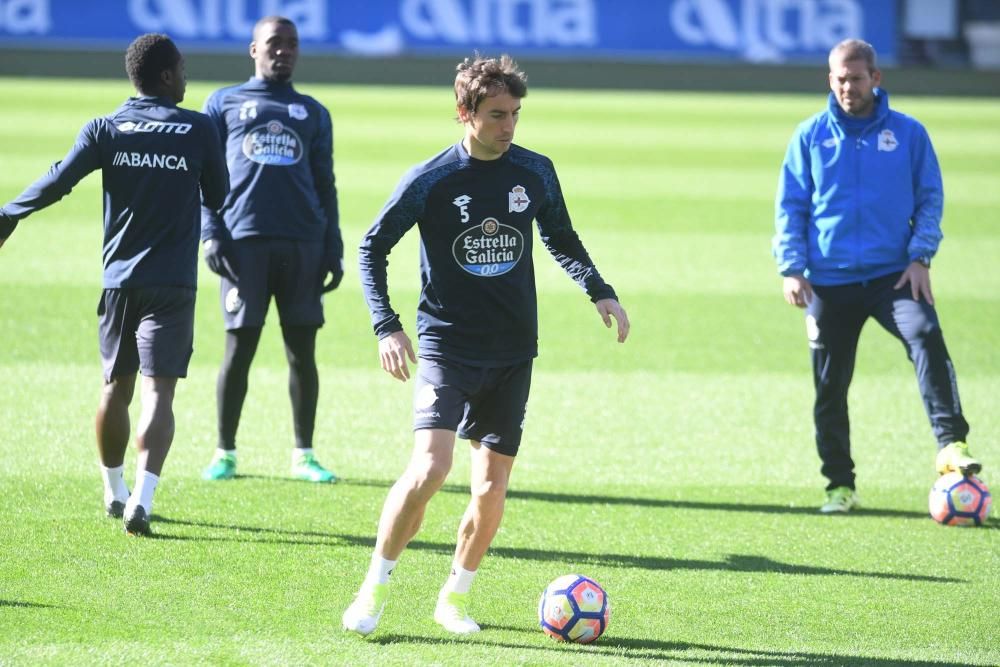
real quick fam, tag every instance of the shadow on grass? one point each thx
(732, 563)
(30, 605)
(582, 499)
(664, 651)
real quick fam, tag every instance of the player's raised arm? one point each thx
(56, 183)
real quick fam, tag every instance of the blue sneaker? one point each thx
(307, 468)
(223, 466)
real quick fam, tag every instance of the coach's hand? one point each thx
(919, 277)
(336, 271)
(393, 351)
(609, 308)
(221, 259)
(798, 291)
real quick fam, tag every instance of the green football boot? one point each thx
(452, 613)
(307, 468)
(223, 466)
(363, 614)
(956, 458)
(841, 499)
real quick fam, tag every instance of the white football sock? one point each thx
(220, 452)
(114, 484)
(460, 580)
(379, 570)
(145, 485)
(299, 452)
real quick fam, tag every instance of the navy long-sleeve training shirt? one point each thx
(154, 159)
(279, 147)
(477, 301)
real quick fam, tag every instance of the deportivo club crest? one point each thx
(887, 141)
(518, 199)
(234, 302)
(298, 111)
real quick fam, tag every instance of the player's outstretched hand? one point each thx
(919, 277)
(336, 271)
(798, 291)
(220, 258)
(393, 351)
(609, 308)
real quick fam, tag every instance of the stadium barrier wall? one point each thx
(439, 71)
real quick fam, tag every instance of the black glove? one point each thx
(221, 259)
(336, 270)
(7, 225)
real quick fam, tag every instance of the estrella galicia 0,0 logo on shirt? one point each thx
(273, 144)
(490, 249)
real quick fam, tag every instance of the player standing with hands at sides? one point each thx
(154, 159)
(477, 322)
(858, 218)
(278, 235)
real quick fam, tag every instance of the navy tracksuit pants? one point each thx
(833, 321)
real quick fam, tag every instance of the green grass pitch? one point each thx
(678, 470)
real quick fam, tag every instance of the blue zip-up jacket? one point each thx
(858, 198)
(155, 158)
(477, 299)
(279, 147)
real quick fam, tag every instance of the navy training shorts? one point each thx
(289, 270)
(483, 404)
(146, 329)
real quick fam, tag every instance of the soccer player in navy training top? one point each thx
(858, 220)
(277, 235)
(154, 159)
(477, 322)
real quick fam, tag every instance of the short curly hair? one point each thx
(480, 77)
(147, 57)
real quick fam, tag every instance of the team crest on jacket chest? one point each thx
(887, 141)
(298, 111)
(518, 199)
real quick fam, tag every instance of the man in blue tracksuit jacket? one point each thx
(159, 164)
(858, 219)
(277, 235)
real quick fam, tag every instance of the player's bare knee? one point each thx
(118, 390)
(490, 492)
(429, 474)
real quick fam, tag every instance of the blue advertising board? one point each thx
(771, 31)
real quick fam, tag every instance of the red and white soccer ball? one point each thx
(574, 608)
(957, 500)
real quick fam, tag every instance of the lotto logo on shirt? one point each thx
(490, 249)
(273, 144)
